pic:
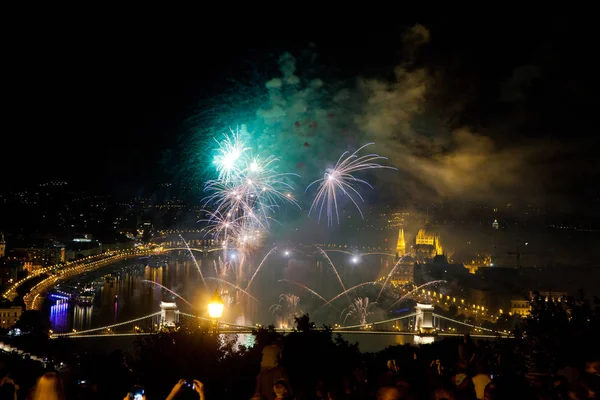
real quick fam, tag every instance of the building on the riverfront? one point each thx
(427, 244)
(38, 256)
(405, 272)
(126, 245)
(480, 260)
(86, 246)
(522, 306)
(10, 271)
(80, 249)
(9, 316)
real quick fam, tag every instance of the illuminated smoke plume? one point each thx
(305, 118)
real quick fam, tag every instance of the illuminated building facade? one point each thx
(522, 307)
(38, 257)
(427, 245)
(401, 244)
(480, 260)
(9, 316)
(405, 272)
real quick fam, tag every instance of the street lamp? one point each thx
(215, 309)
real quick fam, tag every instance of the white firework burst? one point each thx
(339, 181)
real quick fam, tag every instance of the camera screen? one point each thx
(138, 394)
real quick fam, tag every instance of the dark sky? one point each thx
(99, 105)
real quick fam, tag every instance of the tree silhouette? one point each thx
(303, 323)
(33, 322)
(557, 331)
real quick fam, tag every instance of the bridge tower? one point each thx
(424, 318)
(169, 315)
(424, 324)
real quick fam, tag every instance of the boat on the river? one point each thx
(85, 295)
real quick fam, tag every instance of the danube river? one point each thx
(124, 291)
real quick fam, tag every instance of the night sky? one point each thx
(103, 107)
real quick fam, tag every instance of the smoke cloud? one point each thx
(309, 121)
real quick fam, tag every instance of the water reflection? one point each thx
(59, 316)
(122, 295)
(82, 317)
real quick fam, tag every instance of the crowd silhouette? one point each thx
(555, 355)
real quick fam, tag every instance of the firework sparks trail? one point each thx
(414, 290)
(227, 299)
(221, 267)
(339, 181)
(236, 287)
(287, 307)
(195, 261)
(288, 304)
(304, 287)
(170, 291)
(348, 291)
(237, 262)
(359, 310)
(334, 270)
(291, 301)
(258, 269)
(389, 276)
